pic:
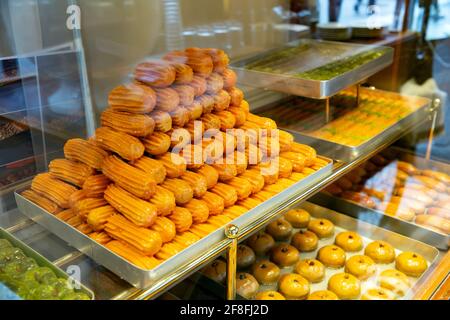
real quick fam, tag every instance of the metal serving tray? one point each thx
(320, 53)
(349, 153)
(369, 233)
(141, 278)
(409, 229)
(43, 262)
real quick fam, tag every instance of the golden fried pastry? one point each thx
(240, 160)
(378, 294)
(219, 57)
(286, 140)
(163, 120)
(226, 171)
(269, 171)
(431, 183)
(195, 110)
(245, 256)
(181, 189)
(298, 218)
(198, 209)
(279, 229)
(261, 243)
(227, 193)
(163, 200)
(415, 195)
(182, 218)
(245, 106)
(242, 186)
(168, 250)
(156, 73)
(165, 228)
(83, 207)
(305, 241)
(132, 98)
(144, 240)
(152, 167)
(345, 286)
(284, 255)
(310, 269)
(266, 272)
(235, 211)
(138, 125)
(229, 79)
(215, 203)
(411, 264)
(199, 61)
(100, 237)
(227, 120)
(70, 171)
(157, 143)
(167, 99)
(216, 271)
(221, 101)
(440, 176)
(261, 122)
(433, 222)
(78, 196)
(395, 281)
(140, 212)
(397, 210)
(293, 286)
(84, 151)
(201, 230)
(298, 161)
(131, 254)
(239, 115)
(211, 175)
(236, 95)
(186, 94)
(360, 266)
(180, 116)
(214, 83)
(255, 179)
(75, 221)
(332, 256)
(94, 186)
(197, 182)
(380, 252)
(174, 164)
(184, 73)
(323, 228)
(417, 206)
(262, 195)
(308, 152)
(85, 228)
(284, 168)
(41, 201)
(219, 220)
(133, 180)
(269, 295)
(53, 189)
(246, 285)
(98, 217)
(210, 121)
(349, 241)
(207, 103)
(323, 295)
(128, 147)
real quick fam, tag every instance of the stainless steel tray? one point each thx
(141, 278)
(349, 153)
(321, 53)
(369, 233)
(43, 262)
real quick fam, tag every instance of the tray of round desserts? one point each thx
(352, 130)
(313, 68)
(30, 276)
(399, 191)
(315, 253)
(125, 198)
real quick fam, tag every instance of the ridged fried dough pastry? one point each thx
(138, 182)
(70, 171)
(175, 165)
(83, 207)
(181, 189)
(129, 253)
(227, 120)
(146, 241)
(210, 121)
(211, 175)
(199, 61)
(297, 159)
(207, 103)
(226, 171)
(197, 182)
(85, 151)
(236, 95)
(100, 237)
(53, 189)
(249, 203)
(78, 196)
(166, 229)
(132, 98)
(182, 218)
(186, 94)
(219, 57)
(164, 201)
(195, 110)
(229, 79)
(215, 203)
(138, 125)
(239, 114)
(153, 167)
(157, 143)
(180, 116)
(128, 147)
(163, 120)
(97, 217)
(198, 209)
(167, 99)
(242, 186)
(228, 193)
(41, 201)
(221, 100)
(94, 186)
(262, 122)
(255, 178)
(285, 168)
(199, 85)
(214, 83)
(156, 73)
(308, 152)
(184, 73)
(138, 211)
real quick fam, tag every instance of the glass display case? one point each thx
(224, 150)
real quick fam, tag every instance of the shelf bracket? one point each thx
(327, 110)
(232, 231)
(436, 104)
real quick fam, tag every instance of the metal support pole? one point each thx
(433, 111)
(327, 110)
(231, 231)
